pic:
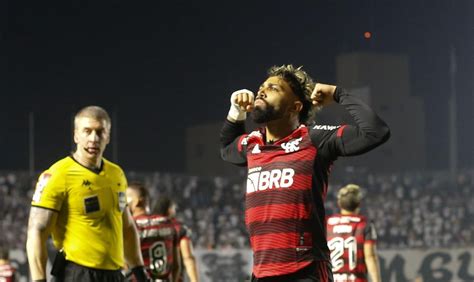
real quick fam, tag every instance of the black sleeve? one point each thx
(230, 138)
(369, 132)
(185, 232)
(370, 232)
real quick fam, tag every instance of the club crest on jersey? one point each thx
(122, 201)
(40, 186)
(292, 146)
(245, 140)
(276, 178)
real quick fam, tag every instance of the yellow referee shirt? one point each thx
(90, 206)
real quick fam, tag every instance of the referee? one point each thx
(81, 201)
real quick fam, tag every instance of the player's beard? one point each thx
(265, 115)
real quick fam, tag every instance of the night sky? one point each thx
(161, 66)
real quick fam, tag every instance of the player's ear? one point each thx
(76, 139)
(297, 106)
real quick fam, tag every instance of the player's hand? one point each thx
(241, 102)
(323, 94)
(140, 274)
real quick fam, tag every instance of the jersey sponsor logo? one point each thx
(44, 179)
(342, 229)
(122, 201)
(91, 204)
(86, 183)
(255, 169)
(276, 178)
(256, 150)
(292, 146)
(326, 127)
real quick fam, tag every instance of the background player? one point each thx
(81, 201)
(7, 271)
(288, 168)
(158, 236)
(352, 240)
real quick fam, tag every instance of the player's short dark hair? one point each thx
(95, 112)
(349, 197)
(163, 205)
(300, 83)
(141, 190)
(4, 252)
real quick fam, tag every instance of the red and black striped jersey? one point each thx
(7, 273)
(287, 183)
(159, 243)
(280, 212)
(346, 235)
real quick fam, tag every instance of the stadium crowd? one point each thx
(410, 210)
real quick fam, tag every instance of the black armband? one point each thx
(140, 273)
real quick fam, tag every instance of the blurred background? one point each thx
(165, 71)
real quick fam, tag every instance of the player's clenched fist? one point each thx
(323, 94)
(241, 102)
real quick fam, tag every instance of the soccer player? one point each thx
(158, 236)
(7, 271)
(288, 166)
(352, 240)
(81, 201)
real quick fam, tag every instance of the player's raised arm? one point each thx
(370, 130)
(234, 127)
(39, 228)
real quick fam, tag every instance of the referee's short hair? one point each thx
(349, 197)
(163, 205)
(94, 112)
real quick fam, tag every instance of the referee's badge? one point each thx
(122, 201)
(91, 204)
(43, 180)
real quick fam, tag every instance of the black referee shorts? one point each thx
(318, 271)
(78, 273)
